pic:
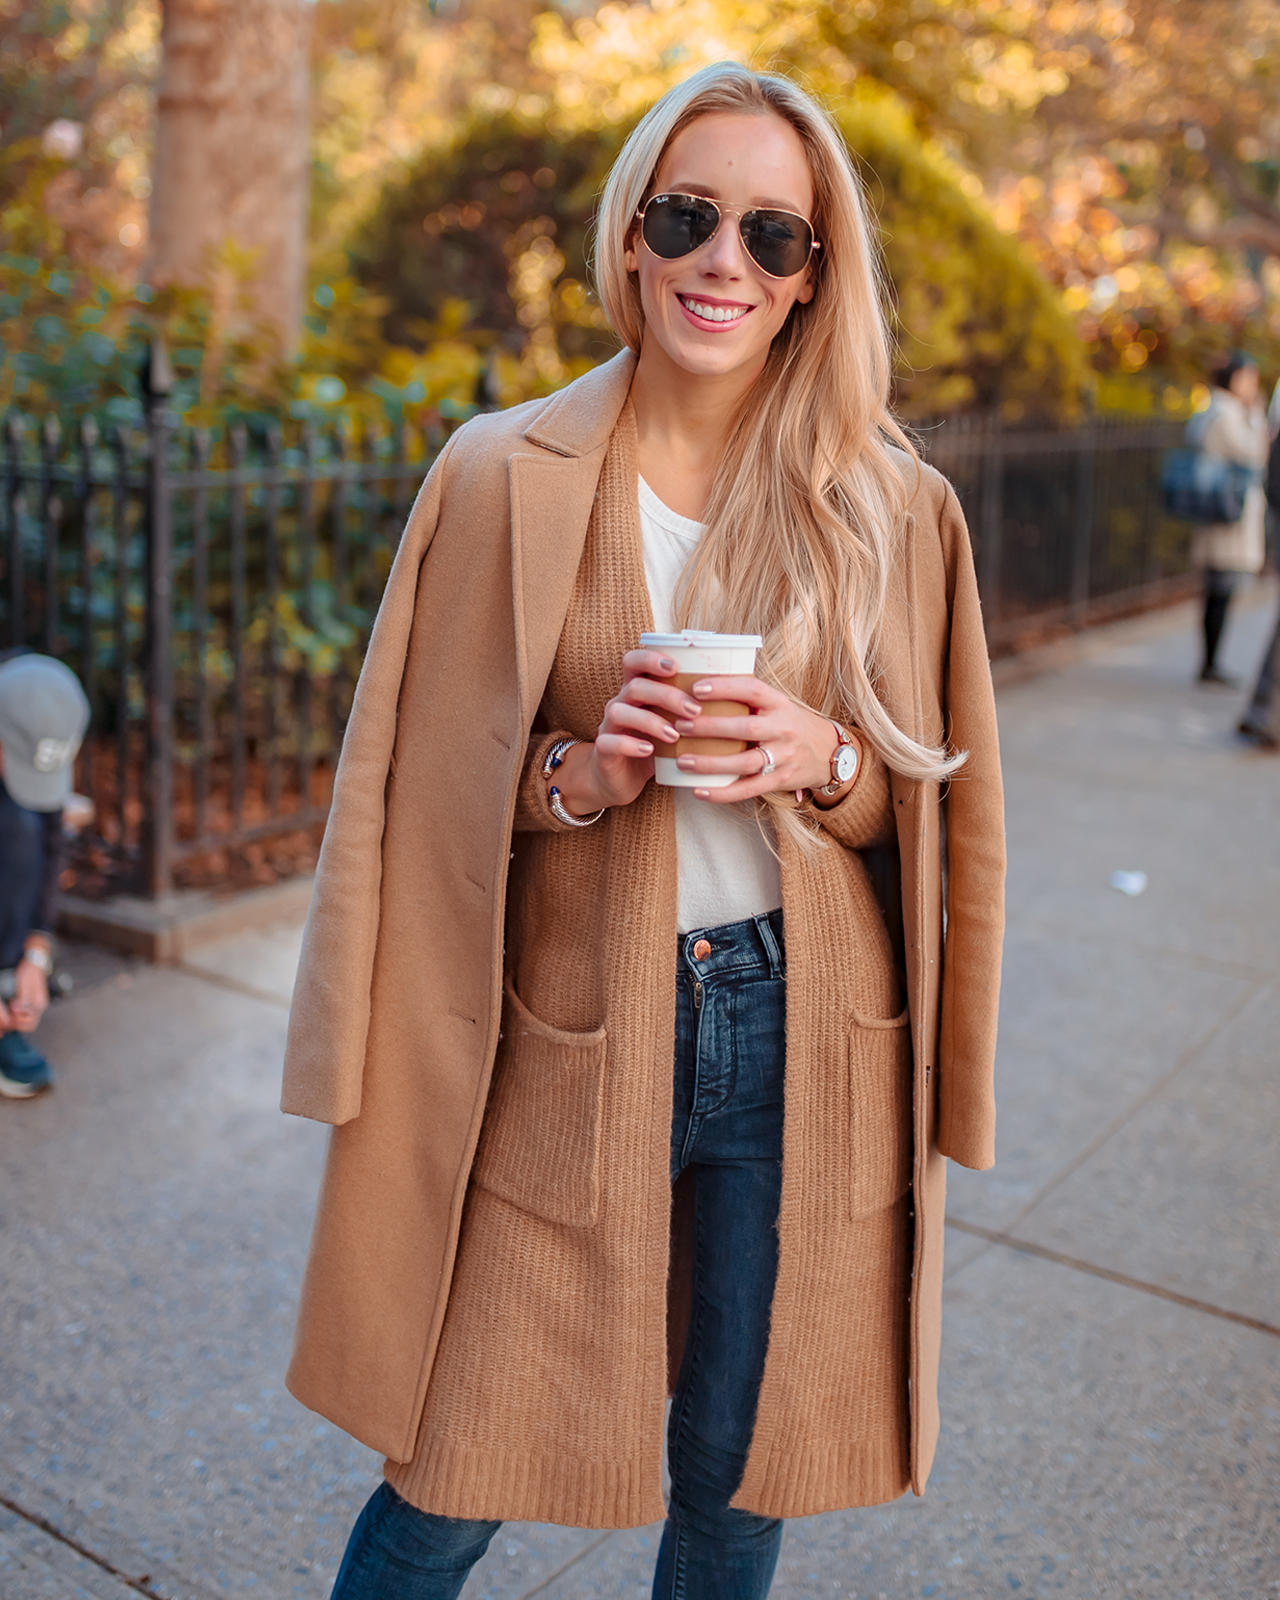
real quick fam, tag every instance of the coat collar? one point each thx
(579, 419)
(552, 497)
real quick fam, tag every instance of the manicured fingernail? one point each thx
(686, 763)
(667, 664)
(692, 708)
(702, 688)
(702, 794)
(670, 734)
(646, 749)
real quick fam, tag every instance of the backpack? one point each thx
(1201, 488)
(1196, 487)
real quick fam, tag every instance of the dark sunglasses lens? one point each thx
(676, 224)
(777, 242)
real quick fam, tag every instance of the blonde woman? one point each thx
(631, 1082)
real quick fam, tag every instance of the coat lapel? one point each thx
(553, 489)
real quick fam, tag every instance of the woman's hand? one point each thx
(800, 741)
(31, 997)
(615, 768)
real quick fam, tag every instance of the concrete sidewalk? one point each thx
(1111, 1374)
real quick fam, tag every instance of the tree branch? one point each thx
(1236, 233)
(1245, 195)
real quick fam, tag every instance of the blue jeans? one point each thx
(22, 869)
(727, 1129)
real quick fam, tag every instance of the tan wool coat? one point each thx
(493, 1294)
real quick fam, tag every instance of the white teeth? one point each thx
(714, 313)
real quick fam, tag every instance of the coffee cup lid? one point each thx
(700, 637)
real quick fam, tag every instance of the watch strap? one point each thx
(843, 737)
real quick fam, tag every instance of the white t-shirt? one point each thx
(727, 870)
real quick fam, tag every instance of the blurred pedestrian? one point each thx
(1233, 428)
(43, 718)
(500, 1275)
(1261, 721)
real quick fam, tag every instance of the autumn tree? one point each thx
(1186, 96)
(74, 128)
(1146, 182)
(229, 196)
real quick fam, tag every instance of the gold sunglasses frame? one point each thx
(738, 212)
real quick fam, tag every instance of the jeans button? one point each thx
(701, 950)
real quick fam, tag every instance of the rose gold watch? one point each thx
(844, 762)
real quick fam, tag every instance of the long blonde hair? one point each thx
(807, 511)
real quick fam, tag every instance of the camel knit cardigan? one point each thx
(546, 1398)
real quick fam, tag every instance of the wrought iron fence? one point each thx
(215, 596)
(1067, 524)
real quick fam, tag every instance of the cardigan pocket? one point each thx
(879, 1112)
(540, 1145)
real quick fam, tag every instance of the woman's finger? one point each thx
(752, 729)
(746, 764)
(649, 692)
(744, 789)
(629, 746)
(647, 663)
(749, 690)
(620, 717)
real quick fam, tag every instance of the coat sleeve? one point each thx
(329, 1018)
(973, 811)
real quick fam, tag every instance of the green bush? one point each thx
(75, 342)
(978, 324)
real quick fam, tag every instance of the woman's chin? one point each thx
(713, 356)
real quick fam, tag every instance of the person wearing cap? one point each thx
(43, 718)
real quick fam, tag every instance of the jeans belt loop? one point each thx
(777, 965)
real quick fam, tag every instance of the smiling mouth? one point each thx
(710, 313)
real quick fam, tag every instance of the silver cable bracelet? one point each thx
(555, 756)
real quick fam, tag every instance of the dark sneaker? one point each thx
(23, 1070)
(1264, 738)
(1220, 680)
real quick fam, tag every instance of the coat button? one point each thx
(701, 950)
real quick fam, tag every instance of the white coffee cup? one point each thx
(699, 655)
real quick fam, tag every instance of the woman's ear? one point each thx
(629, 250)
(807, 289)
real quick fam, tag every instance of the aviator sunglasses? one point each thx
(674, 225)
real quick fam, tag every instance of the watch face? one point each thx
(846, 763)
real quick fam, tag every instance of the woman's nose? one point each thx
(724, 254)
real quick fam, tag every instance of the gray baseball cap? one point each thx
(43, 719)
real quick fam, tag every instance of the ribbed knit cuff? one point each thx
(863, 818)
(533, 809)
